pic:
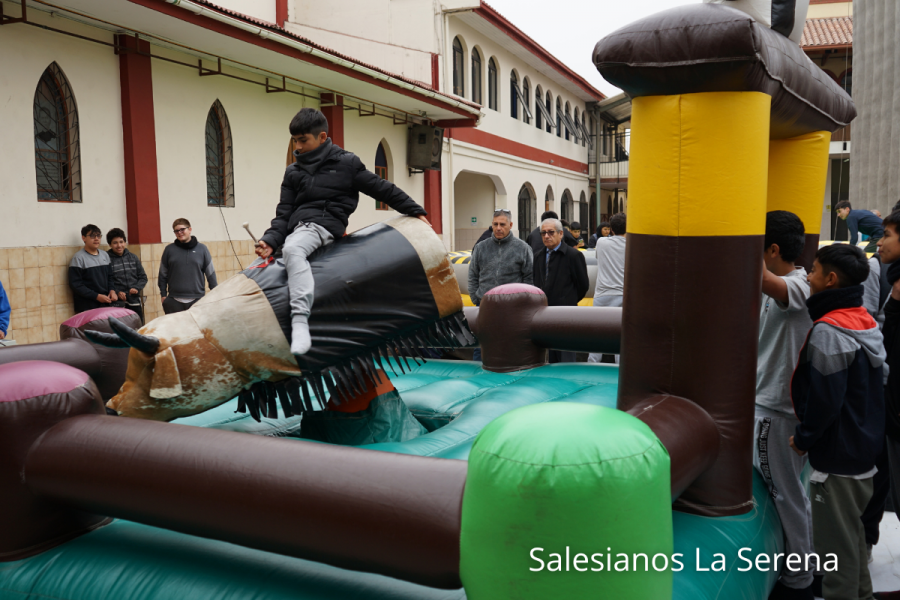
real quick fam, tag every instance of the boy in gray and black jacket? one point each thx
(838, 396)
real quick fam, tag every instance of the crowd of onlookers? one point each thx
(116, 277)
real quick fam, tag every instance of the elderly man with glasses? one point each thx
(561, 272)
(90, 275)
(182, 269)
(501, 258)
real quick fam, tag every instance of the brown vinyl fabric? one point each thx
(393, 514)
(73, 352)
(31, 524)
(578, 329)
(697, 340)
(504, 328)
(715, 48)
(113, 361)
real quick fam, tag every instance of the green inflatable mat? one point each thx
(129, 561)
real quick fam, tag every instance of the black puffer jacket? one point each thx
(330, 195)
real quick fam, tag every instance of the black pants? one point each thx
(871, 517)
(171, 305)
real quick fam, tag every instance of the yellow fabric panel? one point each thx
(699, 164)
(798, 172)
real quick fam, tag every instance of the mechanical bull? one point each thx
(386, 291)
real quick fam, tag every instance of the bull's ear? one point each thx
(166, 381)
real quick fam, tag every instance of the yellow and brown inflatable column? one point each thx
(798, 173)
(693, 272)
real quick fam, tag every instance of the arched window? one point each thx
(57, 149)
(538, 113)
(476, 76)
(526, 100)
(583, 216)
(219, 163)
(847, 81)
(381, 169)
(578, 134)
(549, 107)
(559, 119)
(458, 74)
(513, 95)
(527, 218)
(567, 120)
(567, 206)
(492, 85)
(548, 198)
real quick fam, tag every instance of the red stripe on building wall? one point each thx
(139, 136)
(433, 199)
(334, 111)
(435, 72)
(245, 36)
(507, 146)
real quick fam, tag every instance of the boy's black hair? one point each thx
(843, 204)
(114, 233)
(896, 206)
(575, 225)
(785, 229)
(600, 227)
(893, 219)
(548, 214)
(617, 223)
(309, 121)
(848, 262)
(89, 229)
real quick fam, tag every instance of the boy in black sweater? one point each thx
(90, 276)
(838, 397)
(319, 193)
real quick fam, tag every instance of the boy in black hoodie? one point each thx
(319, 193)
(838, 398)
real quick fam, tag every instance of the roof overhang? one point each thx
(247, 44)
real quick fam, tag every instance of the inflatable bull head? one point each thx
(787, 17)
(389, 286)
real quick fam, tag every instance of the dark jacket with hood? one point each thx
(127, 273)
(323, 187)
(565, 278)
(837, 386)
(891, 333)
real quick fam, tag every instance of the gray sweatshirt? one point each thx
(182, 269)
(495, 262)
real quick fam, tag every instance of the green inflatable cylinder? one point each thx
(587, 485)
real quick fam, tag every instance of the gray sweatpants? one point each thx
(780, 467)
(838, 503)
(613, 301)
(303, 241)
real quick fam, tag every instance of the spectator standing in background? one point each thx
(561, 272)
(575, 230)
(610, 287)
(5, 310)
(860, 221)
(602, 232)
(89, 274)
(128, 273)
(534, 238)
(182, 270)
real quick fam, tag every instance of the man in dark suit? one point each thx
(561, 272)
(534, 238)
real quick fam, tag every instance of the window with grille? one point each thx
(381, 169)
(526, 216)
(538, 106)
(219, 163)
(476, 76)
(458, 75)
(513, 96)
(492, 85)
(559, 119)
(548, 109)
(567, 206)
(526, 100)
(57, 149)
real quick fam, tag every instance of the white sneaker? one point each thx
(300, 340)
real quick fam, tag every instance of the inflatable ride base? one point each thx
(452, 402)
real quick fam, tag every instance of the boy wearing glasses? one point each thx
(319, 193)
(182, 269)
(90, 276)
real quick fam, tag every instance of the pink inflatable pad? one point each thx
(31, 378)
(97, 314)
(514, 288)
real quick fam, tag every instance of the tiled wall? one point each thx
(36, 282)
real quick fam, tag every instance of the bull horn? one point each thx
(145, 343)
(109, 340)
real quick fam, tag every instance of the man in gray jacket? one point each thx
(501, 258)
(184, 266)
